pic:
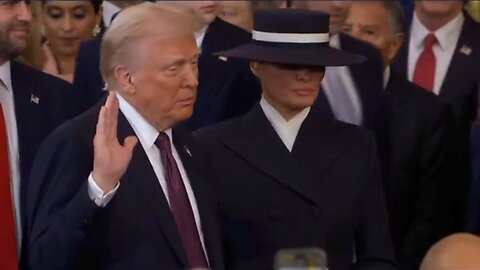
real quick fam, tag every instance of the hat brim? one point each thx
(323, 57)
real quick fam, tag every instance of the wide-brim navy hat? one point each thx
(292, 36)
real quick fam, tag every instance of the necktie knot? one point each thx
(430, 40)
(163, 142)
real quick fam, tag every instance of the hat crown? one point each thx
(291, 21)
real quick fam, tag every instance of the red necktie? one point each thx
(8, 246)
(180, 206)
(424, 74)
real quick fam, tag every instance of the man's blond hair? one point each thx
(135, 23)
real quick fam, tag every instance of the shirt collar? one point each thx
(146, 133)
(445, 35)
(109, 10)
(335, 41)
(6, 75)
(277, 120)
(386, 76)
(200, 35)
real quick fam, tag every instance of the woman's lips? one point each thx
(303, 91)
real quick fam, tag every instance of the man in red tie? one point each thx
(417, 141)
(442, 54)
(120, 187)
(32, 104)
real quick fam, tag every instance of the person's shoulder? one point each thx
(80, 129)
(233, 31)
(91, 44)
(344, 133)
(214, 132)
(39, 79)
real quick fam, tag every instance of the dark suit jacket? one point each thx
(473, 225)
(326, 193)
(136, 230)
(226, 88)
(42, 102)
(459, 89)
(87, 78)
(368, 80)
(416, 161)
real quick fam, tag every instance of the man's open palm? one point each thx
(111, 159)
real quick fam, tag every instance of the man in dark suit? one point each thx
(455, 79)
(290, 179)
(418, 133)
(351, 94)
(32, 105)
(136, 206)
(226, 88)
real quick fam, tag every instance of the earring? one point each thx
(96, 30)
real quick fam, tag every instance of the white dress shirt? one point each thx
(444, 49)
(8, 106)
(200, 35)
(109, 10)
(286, 130)
(341, 91)
(147, 135)
(386, 76)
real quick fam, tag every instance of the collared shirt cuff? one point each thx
(96, 193)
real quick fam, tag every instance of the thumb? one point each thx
(130, 143)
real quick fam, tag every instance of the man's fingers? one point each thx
(114, 116)
(110, 99)
(111, 115)
(130, 143)
(100, 132)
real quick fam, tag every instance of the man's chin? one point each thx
(12, 50)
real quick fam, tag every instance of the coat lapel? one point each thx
(141, 173)
(259, 145)
(316, 146)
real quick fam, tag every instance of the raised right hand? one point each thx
(111, 159)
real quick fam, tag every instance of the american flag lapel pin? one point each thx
(34, 99)
(187, 150)
(466, 50)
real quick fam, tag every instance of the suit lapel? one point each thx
(191, 162)
(25, 112)
(141, 173)
(462, 57)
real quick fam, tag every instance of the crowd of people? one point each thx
(216, 134)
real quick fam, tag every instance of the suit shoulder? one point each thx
(91, 44)
(216, 131)
(233, 29)
(346, 133)
(38, 78)
(80, 128)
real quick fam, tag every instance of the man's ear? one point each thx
(395, 45)
(124, 79)
(254, 67)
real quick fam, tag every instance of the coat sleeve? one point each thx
(373, 245)
(59, 208)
